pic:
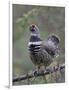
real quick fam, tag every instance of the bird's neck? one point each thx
(33, 34)
(34, 38)
(36, 35)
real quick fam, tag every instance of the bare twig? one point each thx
(34, 73)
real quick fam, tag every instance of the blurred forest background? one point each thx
(49, 20)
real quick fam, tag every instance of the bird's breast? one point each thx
(34, 47)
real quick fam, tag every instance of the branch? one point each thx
(35, 73)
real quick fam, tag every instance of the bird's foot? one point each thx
(39, 70)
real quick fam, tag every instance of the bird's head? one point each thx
(34, 30)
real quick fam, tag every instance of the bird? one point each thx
(42, 52)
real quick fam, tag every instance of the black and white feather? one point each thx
(42, 52)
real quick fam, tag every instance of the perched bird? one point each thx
(42, 52)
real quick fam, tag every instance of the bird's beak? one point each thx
(32, 27)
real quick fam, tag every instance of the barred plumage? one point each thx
(42, 52)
